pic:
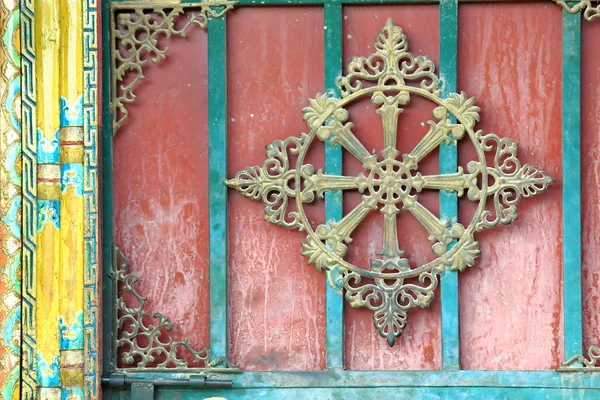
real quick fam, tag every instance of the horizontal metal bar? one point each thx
(192, 381)
(123, 4)
(426, 378)
(382, 393)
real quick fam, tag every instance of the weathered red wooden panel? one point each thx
(275, 63)
(419, 347)
(510, 304)
(590, 166)
(161, 187)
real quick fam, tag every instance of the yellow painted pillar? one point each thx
(47, 36)
(71, 199)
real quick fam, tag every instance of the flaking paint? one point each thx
(511, 302)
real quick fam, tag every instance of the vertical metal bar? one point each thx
(333, 200)
(571, 47)
(448, 199)
(217, 156)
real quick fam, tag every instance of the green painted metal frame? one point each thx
(217, 152)
(333, 200)
(450, 382)
(448, 199)
(571, 124)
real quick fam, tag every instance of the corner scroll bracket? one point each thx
(144, 341)
(136, 32)
(590, 11)
(580, 363)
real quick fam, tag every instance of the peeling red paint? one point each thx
(275, 63)
(509, 58)
(161, 188)
(590, 167)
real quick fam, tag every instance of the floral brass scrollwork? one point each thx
(137, 29)
(391, 182)
(580, 364)
(144, 341)
(590, 12)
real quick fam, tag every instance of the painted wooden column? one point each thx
(47, 43)
(71, 200)
(10, 201)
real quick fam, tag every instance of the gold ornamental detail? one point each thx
(144, 341)
(136, 32)
(581, 364)
(391, 182)
(590, 11)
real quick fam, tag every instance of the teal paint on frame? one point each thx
(448, 200)
(47, 372)
(12, 93)
(392, 393)
(10, 386)
(13, 153)
(47, 148)
(217, 156)
(334, 300)
(48, 213)
(71, 114)
(71, 335)
(571, 142)
(8, 330)
(71, 393)
(12, 216)
(72, 178)
(12, 28)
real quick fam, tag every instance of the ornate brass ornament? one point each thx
(581, 364)
(145, 342)
(590, 12)
(390, 286)
(137, 29)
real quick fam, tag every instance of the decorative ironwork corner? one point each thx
(136, 29)
(590, 11)
(390, 182)
(581, 364)
(158, 347)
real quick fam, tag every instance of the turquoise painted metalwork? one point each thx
(217, 155)
(394, 393)
(448, 200)
(333, 200)
(571, 122)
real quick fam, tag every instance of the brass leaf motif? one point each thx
(590, 12)
(136, 32)
(391, 183)
(135, 323)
